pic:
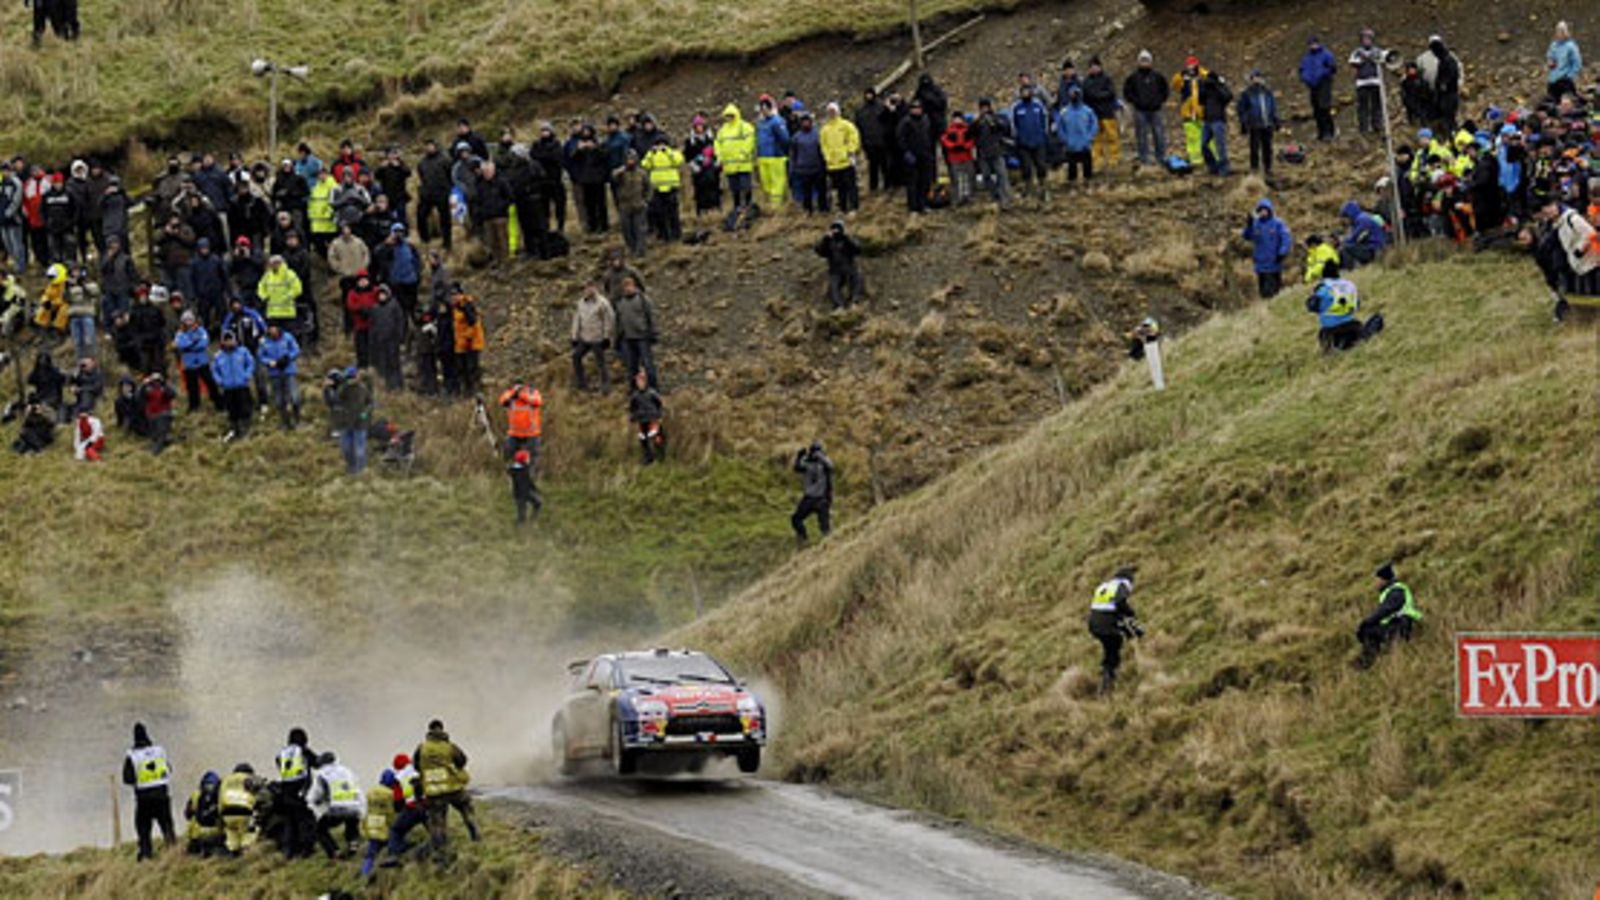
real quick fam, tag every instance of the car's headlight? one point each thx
(650, 709)
(749, 706)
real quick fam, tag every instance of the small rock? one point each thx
(19, 703)
(1503, 37)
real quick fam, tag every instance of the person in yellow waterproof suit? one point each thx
(52, 312)
(237, 801)
(736, 149)
(1186, 86)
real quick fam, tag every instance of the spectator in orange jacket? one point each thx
(469, 338)
(524, 420)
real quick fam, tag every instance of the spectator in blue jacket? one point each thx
(806, 167)
(309, 167)
(192, 342)
(1317, 68)
(278, 353)
(772, 153)
(1565, 63)
(1272, 243)
(1258, 119)
(1366, 238)
(249, 327)
(1030, 132)
(1077, 124)
(233, 367)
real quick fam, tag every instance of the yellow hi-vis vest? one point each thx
(1344, 297)
(440, 774)
(380, 814)
(1105, 596)
(1409, 610)
(663, 163)
(291, 763)
(235, 793)
(278, 291)
(150, 767)
(319, 208)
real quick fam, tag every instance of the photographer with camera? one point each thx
(816, 485)
(1111, 620)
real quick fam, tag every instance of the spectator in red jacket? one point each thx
(960, 155)
(158, 397)
(359, 303)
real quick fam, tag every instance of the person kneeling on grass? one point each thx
(1397, 616)
(1335, 303)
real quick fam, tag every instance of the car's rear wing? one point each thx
(576, 667)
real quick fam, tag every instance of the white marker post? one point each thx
(1152, 355)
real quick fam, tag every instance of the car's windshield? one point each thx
(673, 668)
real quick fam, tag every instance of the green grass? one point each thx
(165, 69)
(509, 863)
(935, 654)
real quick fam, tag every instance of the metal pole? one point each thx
(272, 115)
(116, 813)
(916, 37)
(1394, 177)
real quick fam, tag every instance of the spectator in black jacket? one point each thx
(935, 105)
(1215, 98)
(841, 250)
(1147, 91)
(869, 124)
(394, 176)
(992, 139)
(433, 176)
(1100, 93)
(916, 139)
(546, 151)
(589, 172)
(492, 209)
(1258, 119)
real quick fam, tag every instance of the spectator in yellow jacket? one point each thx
(841, 144)
(736, 150)
(1186, 85)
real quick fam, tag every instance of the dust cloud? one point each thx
(362, 676)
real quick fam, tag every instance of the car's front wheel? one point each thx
(558, 747)
(623, 760)
(750, 760)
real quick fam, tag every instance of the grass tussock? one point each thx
(1256, 495)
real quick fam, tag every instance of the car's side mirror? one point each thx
(594, 687)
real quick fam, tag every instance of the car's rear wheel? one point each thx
(623, 760)
(750, 760)
(558, 747)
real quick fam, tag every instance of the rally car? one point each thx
(679, 703)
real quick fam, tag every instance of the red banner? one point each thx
(1527, 675)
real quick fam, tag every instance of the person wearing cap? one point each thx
(192, 343)
(1397, 617)
(147, 770)
(1257, 109)
(772, 152)
(1147, 92)
(396, 263)
(806, 166)
(1367, 62)
(1111, 621)
(546, 153)
(279, 289)
(1563, 64)
(233, 368)
(523, 492)
(1186, 84)
(443, 767)
(1271, 243)
(664, 163)
(736, 144)
(1317, 69)
(844, 276)
(1100, 94)
(816, 491)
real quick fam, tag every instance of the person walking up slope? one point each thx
(1111, 620)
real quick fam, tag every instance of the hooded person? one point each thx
(1441, 70)
(147, 770)
(845, 285)
(1271, 242)
(204, 835)
(735, 146)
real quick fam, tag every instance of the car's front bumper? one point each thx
(667, 735)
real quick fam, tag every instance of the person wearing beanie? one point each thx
(1317, 68)
(147, 770)
(705, 169)
(1258, 119)
(1111, 621)
(1397, 616)
(407, 791)
(378, 820)
(294, 765)
(233, 368)
(844, 276)
(1147, 92)
(1100, 93)
(443, 765)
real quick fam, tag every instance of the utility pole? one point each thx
(1394, 177)
(268, 69)
(916, 36)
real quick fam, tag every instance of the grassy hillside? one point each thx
(508, 864)
(936, 655)
(164, 68)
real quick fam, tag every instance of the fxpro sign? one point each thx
(1527, 675)
(10, 792)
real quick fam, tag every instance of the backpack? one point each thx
(939, 197)
(1177, 165)
(1293, 153)
(554, 244)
